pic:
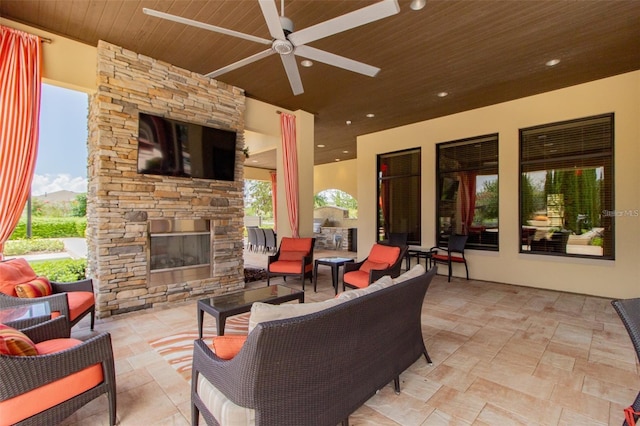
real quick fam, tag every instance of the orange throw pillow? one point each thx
(15, 342)
(292, 256)
(12, 272)
(369, 265)
(36, 288)
(226, 347)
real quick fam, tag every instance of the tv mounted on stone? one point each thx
(174, 148)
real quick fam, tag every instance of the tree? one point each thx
(257, 198)
(487, 202)
(319, 200)
(79, 206)
(528, 199)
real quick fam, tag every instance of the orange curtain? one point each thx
(274, 199)
(20, 81)
(290, 162)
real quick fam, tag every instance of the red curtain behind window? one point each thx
(290, 161)
(468, 201)
(20, 80)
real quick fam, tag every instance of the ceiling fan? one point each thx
(286, 42)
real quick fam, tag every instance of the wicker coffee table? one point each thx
(240, 302)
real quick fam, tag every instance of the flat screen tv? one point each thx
(175, 148)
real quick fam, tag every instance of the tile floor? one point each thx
(503, 355)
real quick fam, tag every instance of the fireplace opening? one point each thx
(179, 250)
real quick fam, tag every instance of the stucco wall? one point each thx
(619, 94)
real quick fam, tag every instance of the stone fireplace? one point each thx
(137, 222)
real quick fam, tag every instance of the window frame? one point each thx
(605, 159)
(493, 138)
(417, 196)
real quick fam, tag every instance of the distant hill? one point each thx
(58, 196)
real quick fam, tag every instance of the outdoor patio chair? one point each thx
(261, 241)
(20, 285)
(629, 312)
(270, 240)
(252, 237)
(453, 253)
(382, 260)
(47, 376)
(293, 258)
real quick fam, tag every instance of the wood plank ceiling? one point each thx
(480, 52)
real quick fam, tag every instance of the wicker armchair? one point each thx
(22, 399)
(73, 300)
(382, 260)
(629, 312)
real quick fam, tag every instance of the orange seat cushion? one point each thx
(36, 401)
(13, 272)
(445, 258)
(357, 278)
(79, 302)
(384, 254)
(285, 267)
(226, 347)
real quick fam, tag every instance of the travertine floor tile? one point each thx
(502, 355)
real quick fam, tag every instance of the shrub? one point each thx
(62, 270)
(20, 247)
(50, 227)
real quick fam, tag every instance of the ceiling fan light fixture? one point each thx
(418, 4)
(283, 47)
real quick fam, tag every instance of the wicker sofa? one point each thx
(318, 368)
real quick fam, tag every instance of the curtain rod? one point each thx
(45, 40)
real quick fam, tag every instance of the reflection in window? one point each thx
(566, 188)
(399, 176)
(467, 191)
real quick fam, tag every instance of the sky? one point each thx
(62, 151)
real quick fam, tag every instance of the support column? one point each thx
(305, 145)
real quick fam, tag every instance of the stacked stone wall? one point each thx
(120, 201)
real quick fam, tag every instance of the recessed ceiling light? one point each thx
(370, 115)
(552, 62)
(320, 146)
(337, 159)
(348, 122)
(345, 152)
(306, 63)
(443, 94)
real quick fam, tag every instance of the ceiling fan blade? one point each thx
(202, 25)
(345, 22)
(272, 18)
(241, 63)
(336, 60)
(291, 67)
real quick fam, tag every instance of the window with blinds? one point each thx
(399, 195)
(566, 188)
(467, 191)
